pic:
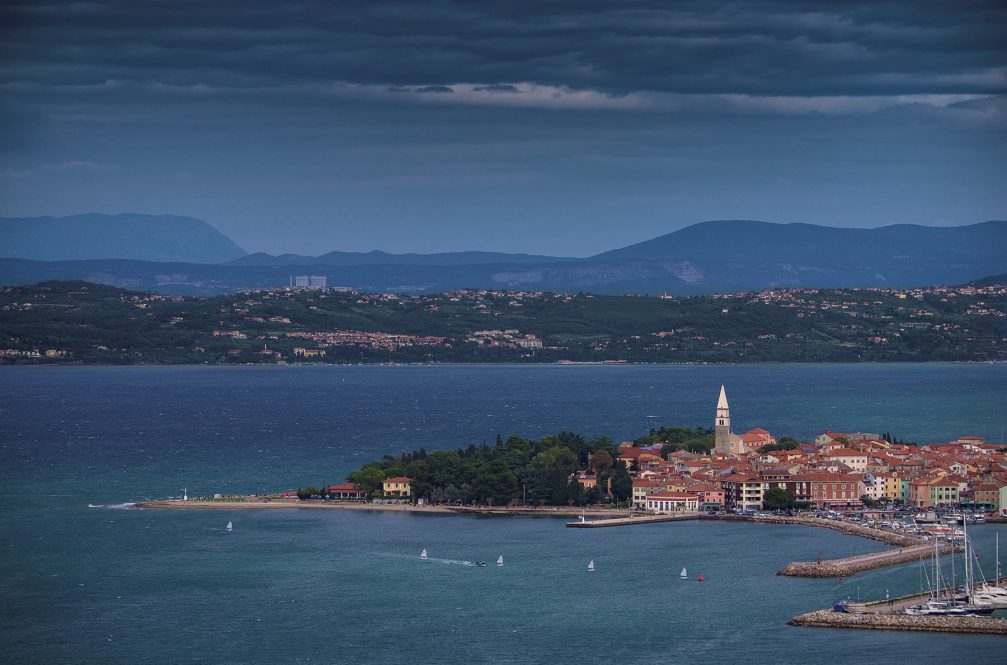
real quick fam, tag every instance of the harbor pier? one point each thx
(640, 519)
(848, 566)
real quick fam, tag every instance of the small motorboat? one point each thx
(481, 564)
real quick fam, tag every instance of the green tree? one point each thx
(787, 443)
(515, 452)
(496, 483)
(622, 484)
(560, 458)
(601, 462)
(370, 478)
(575, 493)
(777, 498)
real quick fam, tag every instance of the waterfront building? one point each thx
(944, 491)
(710, 497)
(346, 491)
(399, 486)
(919, 493)
(988, 493)
(642, 489)
(672, 502)
(830, 490)
(742, 491)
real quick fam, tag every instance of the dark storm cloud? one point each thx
(496, 87)
(306, 125)
(751, 48)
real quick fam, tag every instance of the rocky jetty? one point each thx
(910, 548)
(888, 537)
(936, 624)
(855, 564)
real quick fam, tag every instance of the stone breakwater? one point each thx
(887, 537)
(935, 624)
(855, 564)
(910, 549)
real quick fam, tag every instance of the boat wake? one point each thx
(452, 562)
(112, 506)
(431, 559)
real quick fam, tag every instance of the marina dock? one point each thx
(626, 521)
(887, 614)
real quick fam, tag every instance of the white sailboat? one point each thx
(229, 527)
(994, 594)
(423, 554)
(951, 605)
(684, 575)
(590, 566)
(500, 560)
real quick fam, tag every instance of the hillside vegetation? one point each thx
(81, 322)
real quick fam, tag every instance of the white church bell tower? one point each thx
(722, 428)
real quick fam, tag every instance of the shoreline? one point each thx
(549, 363)
(296, 504)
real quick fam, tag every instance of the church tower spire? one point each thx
(722, 425)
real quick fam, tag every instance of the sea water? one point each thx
(113, 585)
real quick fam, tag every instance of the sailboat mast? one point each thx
(968, 560)
(935, 592)
(951, 589)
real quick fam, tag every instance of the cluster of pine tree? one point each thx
(512, 471)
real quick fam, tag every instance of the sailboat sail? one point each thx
(423, 554)
(230, 527)
(683, 574)
(500, 560)
(590, 566)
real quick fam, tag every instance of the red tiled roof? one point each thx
(846, 452)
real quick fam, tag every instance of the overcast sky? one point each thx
(563, 128)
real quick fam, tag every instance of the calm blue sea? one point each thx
(106, 585)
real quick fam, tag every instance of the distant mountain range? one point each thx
(184, 255)
(379, 258)
(127, 236)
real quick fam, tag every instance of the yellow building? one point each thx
(892, 487)
(400, 486)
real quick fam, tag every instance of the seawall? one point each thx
(936, 624)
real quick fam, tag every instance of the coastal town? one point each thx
(752, 472)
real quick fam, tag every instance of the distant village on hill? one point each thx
(79, 322)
